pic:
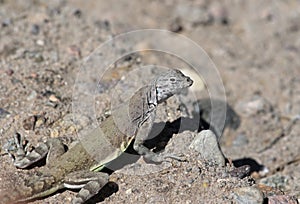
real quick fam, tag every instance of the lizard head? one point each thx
(170, 83)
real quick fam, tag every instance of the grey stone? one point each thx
(248, 195)
(3, 113)
(282, 199)
(276, 181)
(206, 143)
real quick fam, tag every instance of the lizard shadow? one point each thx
(166, 130)
(162, 132)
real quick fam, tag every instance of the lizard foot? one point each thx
(21, 152)
(89, 182)
(180, 158)
(16, 147)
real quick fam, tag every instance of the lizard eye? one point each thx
(172, 79)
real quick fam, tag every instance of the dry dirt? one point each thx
(255, 46)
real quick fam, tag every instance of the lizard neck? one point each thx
(152, 96)
(162, 92)
(141, 105)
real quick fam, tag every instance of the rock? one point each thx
(9, 72)
(254, 106)
(3, 113)
(249, 195)
(53, 98)
(40, 42)
(74, 51)
(276, 181)
(128, 191)
(35, 29)
(32, 95)
(277, 199)
(176, 25)
(268, 190)
(77, 13)
(206, 143)
(38, 57)
(6, 22)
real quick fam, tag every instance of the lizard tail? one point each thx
(29, 190)
(6, 198)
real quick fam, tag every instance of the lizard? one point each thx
(77, 168)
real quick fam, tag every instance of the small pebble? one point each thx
(9, 72)
(3, 113)
(34, 75)
(74, 50)
(38, 58)
(6, 22)
(32, 95)
(35, 29)
(128, 191)
(77, 13)
(176, 26)
(40, 42)
(103, 24)
(53, 98)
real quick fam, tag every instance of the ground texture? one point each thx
(255, 46)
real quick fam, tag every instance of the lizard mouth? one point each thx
(189, 81)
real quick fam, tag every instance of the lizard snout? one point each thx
(189, 81)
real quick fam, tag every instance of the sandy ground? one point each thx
(254, 45)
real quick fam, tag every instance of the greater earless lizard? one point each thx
(76, 168)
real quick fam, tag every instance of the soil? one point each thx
(254, 45)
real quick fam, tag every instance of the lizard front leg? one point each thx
(142, 135)
(89, 182)
(23, 158)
